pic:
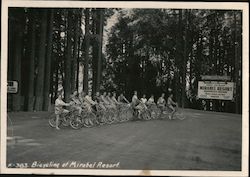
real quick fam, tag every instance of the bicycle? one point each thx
(101, 115)
(154, 111)
(145, 114)
(178, 114)
(64, 119)
(120, 113)
(111, 113)
(86, 119)
(76, 121)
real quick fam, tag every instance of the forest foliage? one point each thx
(148, 50)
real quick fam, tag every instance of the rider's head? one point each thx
(60, 95)
(163, 94)
(104, 93)
(152, 96)
(89, 93)
(135, 92)
(144, 95)
(108, 94)
(75, 94)
(171, 95)
(97, 93)
(83, 94)
(114, 94)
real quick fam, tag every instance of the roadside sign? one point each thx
(215, 90)
(12, 87)
(216, 78)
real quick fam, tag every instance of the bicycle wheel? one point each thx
(128, 113)
(100, 117)
(87, 122)
(52, 120)
(179, 115)
(110, 117)
(66, 119)
(156, 112)
(123, 115)
(76, 122)
(145, 115)
(92, 119)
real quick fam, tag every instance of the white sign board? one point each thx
(215, 90)
(12, 87)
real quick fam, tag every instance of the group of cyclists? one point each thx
(80, 102)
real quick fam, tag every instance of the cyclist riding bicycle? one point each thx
(135, 100)
(113, 98)
(136, 103)
(171, 104)
(144, 101)
(122, 99)
(111, 102)
(161, 102)
(83, 100)
(106, 103)
(151, 100)
(90, 103)
(99, 101)
(76, 103)
(59, 103)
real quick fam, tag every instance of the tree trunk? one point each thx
(68, 63)
(95, 29)
(41, 62)
(47, 97)
(87, 41)
(18, 53)
(31, 99)
(74, 60)
(185, 56)
(100, 39)
(78, 53)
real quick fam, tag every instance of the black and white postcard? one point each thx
(125, 88)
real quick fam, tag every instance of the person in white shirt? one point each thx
(151, 100)
(76, 103)
(90, 103)
(59, 103)
(135, 100)
(105, 101)
(111, 103)
(161, 101)
(99, 101)
(144, 101)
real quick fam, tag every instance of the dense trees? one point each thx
(149, 50)
(49, 46)
(161, 49)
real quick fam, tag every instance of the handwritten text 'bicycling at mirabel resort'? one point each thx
(68, 164)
